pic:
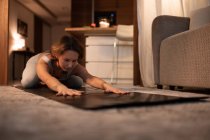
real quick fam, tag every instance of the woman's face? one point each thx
(67, 60)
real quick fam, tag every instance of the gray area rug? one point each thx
(27, 116)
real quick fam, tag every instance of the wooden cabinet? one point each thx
(123, 9)
(82, 15)
(125, 12)
(105, 5)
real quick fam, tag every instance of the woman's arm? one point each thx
(95, 81)
(53, 83)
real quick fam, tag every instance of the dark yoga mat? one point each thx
(97, 99)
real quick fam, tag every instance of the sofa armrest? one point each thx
(163, 27)
(185, 58)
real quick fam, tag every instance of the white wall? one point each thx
(17, 11)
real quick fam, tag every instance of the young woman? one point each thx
(60, 70)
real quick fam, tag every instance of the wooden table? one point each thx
(26, 55)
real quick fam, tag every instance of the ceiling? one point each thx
(52, 11)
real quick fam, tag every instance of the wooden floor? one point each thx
(28, 116)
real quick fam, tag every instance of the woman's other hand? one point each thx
(64, 91)
(109, 88)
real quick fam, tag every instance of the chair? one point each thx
(181, 50)
(124, 36)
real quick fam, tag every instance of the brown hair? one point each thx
(66, 43)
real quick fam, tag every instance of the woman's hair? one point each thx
(66, 43)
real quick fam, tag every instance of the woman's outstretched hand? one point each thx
(64, 91)
(109, 88)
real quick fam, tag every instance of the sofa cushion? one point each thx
(199, 17)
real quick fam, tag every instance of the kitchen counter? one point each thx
(91, 31)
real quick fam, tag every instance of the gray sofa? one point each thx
(181, 50)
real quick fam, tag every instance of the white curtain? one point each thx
(147, 10)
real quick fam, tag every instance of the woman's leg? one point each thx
(29, 76)
(74, 82)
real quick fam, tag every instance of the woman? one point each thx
(60, 71)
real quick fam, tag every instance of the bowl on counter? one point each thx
(104, 23)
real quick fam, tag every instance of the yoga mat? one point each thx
(98, 99)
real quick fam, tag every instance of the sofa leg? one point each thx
(172, 87)
(159, 86)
